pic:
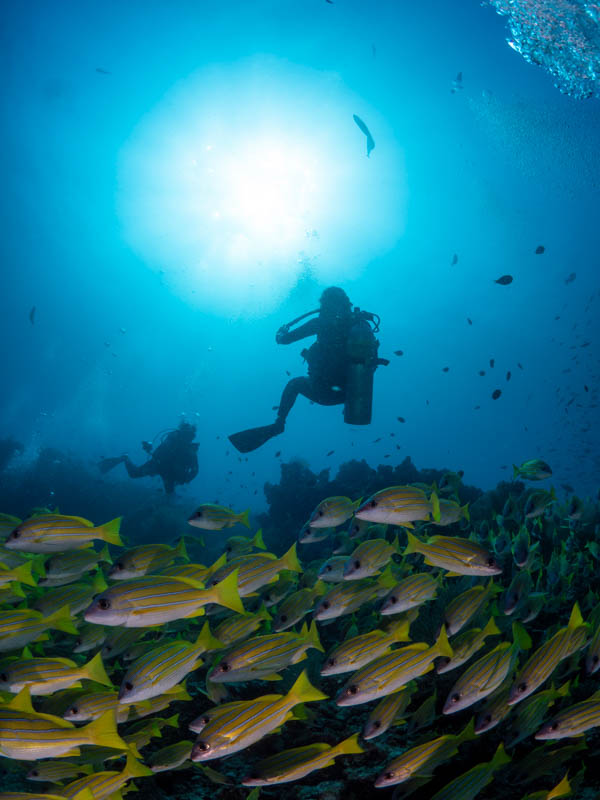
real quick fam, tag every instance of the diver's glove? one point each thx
(281, 333)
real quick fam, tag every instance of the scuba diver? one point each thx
(8, 448)
(174, 459)
(341, 364)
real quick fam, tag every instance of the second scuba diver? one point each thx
(341, 364)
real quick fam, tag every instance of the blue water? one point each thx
(138, 142)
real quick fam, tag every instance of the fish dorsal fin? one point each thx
(575, 620)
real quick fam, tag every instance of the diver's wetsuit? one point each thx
(174, 460)
(327, 363)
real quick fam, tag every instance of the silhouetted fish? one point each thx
(539, 250)
(367, 133)
(32, 315)
(454, 260)
(398, 352)
(571, 277)
(496, 394)
(504, 280)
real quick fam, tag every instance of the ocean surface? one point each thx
(182, 179)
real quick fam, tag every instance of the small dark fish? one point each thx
(445, 369)
(508, 375)
(492, 362)
(496, 394)
(274, 408)
(571, 277)
(102, 71)
(288, 373)
(519, 365)
(454, 260)
(400, 419)
(476, 408)
(504, 280)
(32, 315)
(470, 321)
(331, 452)
(482, 372)
(277, 454)
(330, 2)
(540, 249)
(585, 388)
(398, 352)
(367, 133)
(459, 77)
(376, 440)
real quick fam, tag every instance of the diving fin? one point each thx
(253, 438)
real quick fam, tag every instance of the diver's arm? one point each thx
(285, 336)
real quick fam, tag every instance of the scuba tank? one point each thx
(361, 348)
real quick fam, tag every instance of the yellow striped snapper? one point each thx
(20, 574)
(390, 672)
(573, 721)
(13, 593)
(240, 545)
(458, 556)
(344, 598)
(533, 470)
(361, 650)
(495, 710)
(294, 607)
(155, 599)
(263, 657)
(10, 558)
(529, 714)
(465, 645)
(76, 596)
(538, 502)
(487, 674)
(238, 627)
(66, 567)
(451, 512)
(562, 789)
(423, 758)
(291, 765)
(170, 757)
(333, 511)
(142, 732)
(310, 535)
(463, 608)
(84, 795)
(212, 715)
(57, 771)
(25, 735)
(359, 527)
(51, 533)
(387, 711)
(257, 570)
(145, 558)
(105, 784)
(469, 784)
(210, 517)
(274, 593)
(520, 586)
(243, 726)
(164, 666)
(546, 658)
(155, 704)
(332, 570)
(48, 675)
(410, 592)
(399, 505)
(92, 705)
(19, 627)
(369, 558)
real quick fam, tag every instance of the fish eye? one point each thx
(446, 660)
(554, 726)
(74, 710)
(455, 697)
(521, 687)
(224, 666)
(331, 662)
(198, 513)
(357, 564)
(328, 568)
(119, 565)
(203, 746)
(388, 776)
(129, 686)
(321, 512)
(15, 534)
(228, 549)
(393, 599)
(34, 773)
(4, 677)
(373, 504)
(487, 718)
(595, 658)
(325, 604)
(283, 618)
(352, 689)
(104, 603)
(377, 724)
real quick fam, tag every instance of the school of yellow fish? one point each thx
(134, 625)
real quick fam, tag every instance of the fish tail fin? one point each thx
(414, 544)
(109, 532)
(263, 613)
(243, 518)
(312, 636)
(23, 574)
(290, 560)
(220, 562)
(521, 638)
(349, 745)
(61, 620)
(575, 620)
(516, 472)
(99, 584)
(104, 555)
(303, 691)
(258, 541)
(94, 670)
(465, 512)
(180, 551)
(206, 640)
(442, 645)
(500, 757)
(227, 594)
(103, 732)
(435, 507)
(173, 721)
(490, 628)
(134, 769)
(467, 734)
(386, 579)
(399, 630)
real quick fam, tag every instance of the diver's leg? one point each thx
(169, 484)
(143, 471)
(322, 393)
(288, 397)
